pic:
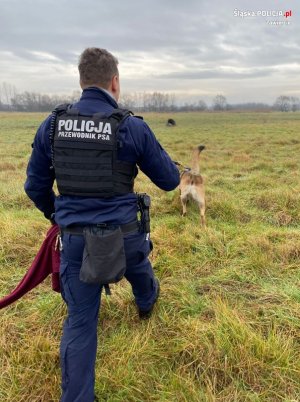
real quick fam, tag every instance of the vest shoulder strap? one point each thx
(121, 114)
(61, 108)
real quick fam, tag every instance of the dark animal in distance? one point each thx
(171, 123)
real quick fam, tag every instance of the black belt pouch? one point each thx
(104, 259)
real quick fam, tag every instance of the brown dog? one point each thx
(192, 185)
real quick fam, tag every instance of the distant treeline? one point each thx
(12, 100)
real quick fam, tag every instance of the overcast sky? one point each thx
(193, 48)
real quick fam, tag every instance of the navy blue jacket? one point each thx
(139, 146)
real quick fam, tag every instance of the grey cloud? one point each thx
(218, 74)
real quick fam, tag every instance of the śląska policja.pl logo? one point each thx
(283, 15)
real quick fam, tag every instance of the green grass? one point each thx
(227, 325)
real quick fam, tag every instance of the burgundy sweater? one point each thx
(46, 262)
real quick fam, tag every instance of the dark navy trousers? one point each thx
(79, 340)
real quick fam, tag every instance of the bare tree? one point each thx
(7, 93)
(283, 103)
(128, 101)
(287, 103)
(295, 103)
(201, 105)
(219, 102)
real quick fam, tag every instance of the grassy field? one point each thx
(227, 324)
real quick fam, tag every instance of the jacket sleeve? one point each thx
(40, 176)
(154, 161)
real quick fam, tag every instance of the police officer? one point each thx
(95, 182)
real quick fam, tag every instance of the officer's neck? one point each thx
(107, 91)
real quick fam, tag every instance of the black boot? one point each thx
(145, 314)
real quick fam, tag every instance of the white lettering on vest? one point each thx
(68, 125)
(85, 129)
(61, 123)
(89, 126)
(103, 137)
(107, 128)
(75, 128)
(100, 127)
(76, 134)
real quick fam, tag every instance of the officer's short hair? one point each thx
(97, 67)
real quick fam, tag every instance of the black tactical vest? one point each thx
(84, 154)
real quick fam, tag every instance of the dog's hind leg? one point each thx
(202, 214)
(183, 203)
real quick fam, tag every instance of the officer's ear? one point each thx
(82, 85)
(115, 86)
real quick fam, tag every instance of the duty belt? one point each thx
(127, 228)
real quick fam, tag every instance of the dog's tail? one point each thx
(195, 158)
